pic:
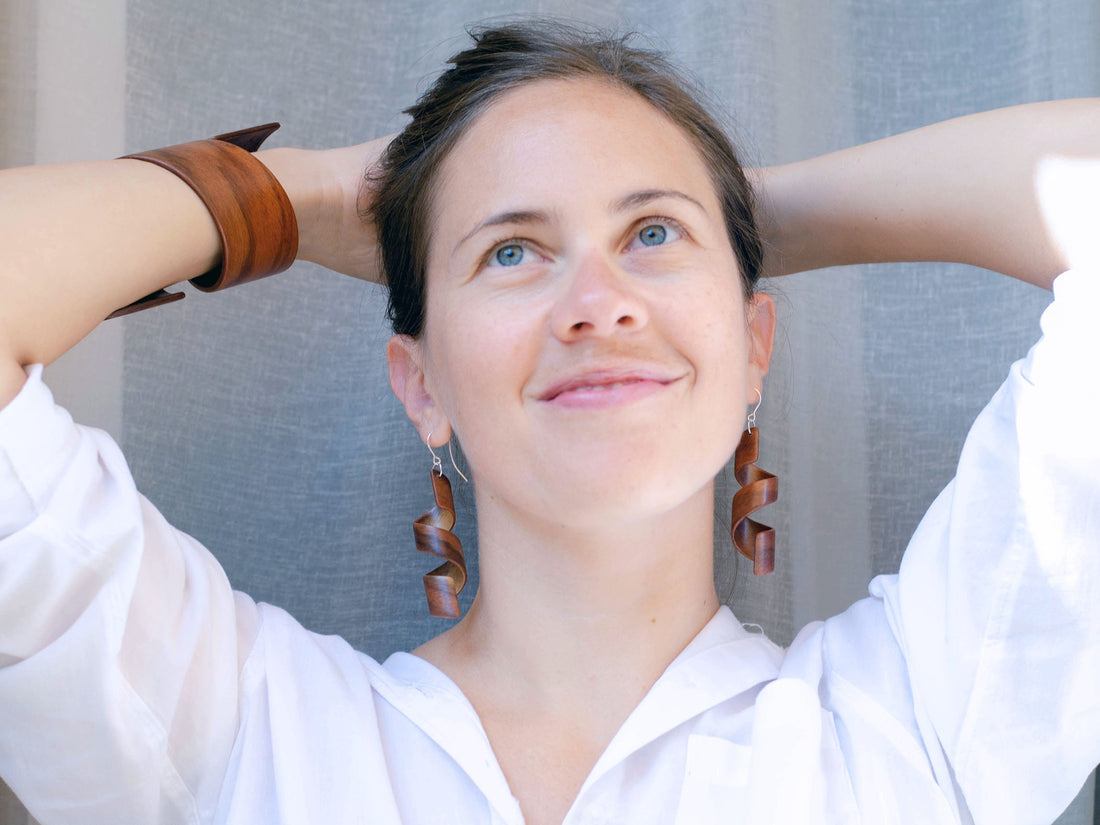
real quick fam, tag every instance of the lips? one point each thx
(605, 383)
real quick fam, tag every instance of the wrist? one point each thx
(803, 218)
(302, 174)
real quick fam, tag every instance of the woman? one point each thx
(587, 253)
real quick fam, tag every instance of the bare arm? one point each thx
(78, 241)
(965, 190)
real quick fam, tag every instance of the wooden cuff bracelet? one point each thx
(250, 208)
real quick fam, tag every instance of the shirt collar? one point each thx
(723, 661)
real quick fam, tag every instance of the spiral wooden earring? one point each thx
(759, 488)
(433, 535)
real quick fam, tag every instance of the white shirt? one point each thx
(137, 687)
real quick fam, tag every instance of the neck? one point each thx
(580, 623)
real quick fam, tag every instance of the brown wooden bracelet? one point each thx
(251, 209)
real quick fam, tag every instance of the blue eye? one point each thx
(653, 235)
(509, 255)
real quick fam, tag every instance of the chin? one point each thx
(593, 500)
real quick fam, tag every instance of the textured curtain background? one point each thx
(260, 419)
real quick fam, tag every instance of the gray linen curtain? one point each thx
(260, 419)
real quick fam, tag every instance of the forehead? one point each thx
(560, 144)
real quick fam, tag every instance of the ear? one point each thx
(405, 356)
(760, 319)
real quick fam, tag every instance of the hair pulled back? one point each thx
(504, 58)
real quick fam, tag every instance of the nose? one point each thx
(598, 299)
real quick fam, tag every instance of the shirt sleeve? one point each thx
(121, 641)
(997, 603)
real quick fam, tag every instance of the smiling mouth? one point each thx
(594, 392)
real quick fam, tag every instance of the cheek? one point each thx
(722, 353)
(481, 361)
(716, 313)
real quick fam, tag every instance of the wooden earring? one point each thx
(432, 532)
(759, 488)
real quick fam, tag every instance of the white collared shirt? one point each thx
(137, 687)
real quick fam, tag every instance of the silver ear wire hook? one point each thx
(437, 463)
(463, 475)
(751, 422)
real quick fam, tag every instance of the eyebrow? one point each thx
(534, 216)
(643, 197)
(513, 217)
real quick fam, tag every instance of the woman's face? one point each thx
(586, 334)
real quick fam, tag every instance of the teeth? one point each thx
(600, 387)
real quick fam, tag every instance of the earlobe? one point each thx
(407, 380)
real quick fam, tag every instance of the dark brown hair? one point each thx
(504, 58)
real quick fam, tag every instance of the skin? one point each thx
(595, 507)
